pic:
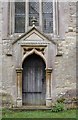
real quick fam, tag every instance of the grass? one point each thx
(38, 114)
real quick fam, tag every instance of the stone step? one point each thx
(32, 108)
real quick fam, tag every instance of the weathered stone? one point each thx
(7, 100)
(58, 52)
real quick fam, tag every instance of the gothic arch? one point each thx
(36, 52)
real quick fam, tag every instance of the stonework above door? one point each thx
(33, 36)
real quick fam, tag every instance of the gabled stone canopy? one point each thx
(34, 35)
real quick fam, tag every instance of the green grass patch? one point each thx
(38, 114)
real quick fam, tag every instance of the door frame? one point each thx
(48, 80)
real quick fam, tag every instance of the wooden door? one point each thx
(34, 84)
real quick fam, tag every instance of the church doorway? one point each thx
(34, 81)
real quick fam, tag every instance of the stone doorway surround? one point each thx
(34, 41)
(26, 52)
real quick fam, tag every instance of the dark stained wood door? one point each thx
(34, 83)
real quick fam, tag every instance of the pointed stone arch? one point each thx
(31, 52)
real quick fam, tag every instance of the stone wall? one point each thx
(8, 75)
(0, 50)
(0, 58)
(64, 74)
(65, 63)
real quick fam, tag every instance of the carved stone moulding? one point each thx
(28, 48)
